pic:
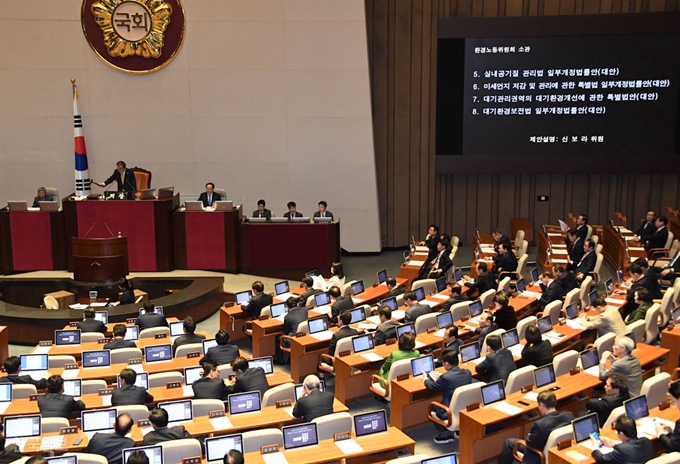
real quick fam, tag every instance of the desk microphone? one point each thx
(105, 189)
(107, 228)
(89, 230)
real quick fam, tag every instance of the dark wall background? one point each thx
(402, 41)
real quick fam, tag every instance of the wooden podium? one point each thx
(103, 260)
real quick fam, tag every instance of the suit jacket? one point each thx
(265, 213)
(37, 200)
(307, 293)
(484, 282)
(586, 264)
(128, 297)
(575, 253)
(505, 263)
(296, 214)
(186, 339)
(504, 239)
(657, 239)
(448, 382)
(120, 343)
(551, 293)
(130, 394)
(568, 282)
(177, 432)
(431, 243)
(341, 304)
(444, 264)
(452, 301)
(252, 379)
(150, 320)
(629, 367)
(609, 321)
(539, 354)
(497, 365)
(485, 331)
(650, 283)
(206, 388)
(671, 441)
(204, 198)
(398, 290)
(604, 405)
(415, 311)
(581, 232)
(638, 314)
(397, 355)
(92, 325)
(646, 228)
(344, 332)
(256, 303)
(505, 317)
(327, 213)
(11, 453)
(24, 380)
(126, 184)
(318, 403)
(385, 331)
(634, 451)
(109, 445)
(293, 318)
(221, 354)
(540, 431)
(59, 405)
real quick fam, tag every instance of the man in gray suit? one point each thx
(499, 362)
(42, 196)
(387, 328)
(55, 403)
(607, 319)
(248, 378)
(129, 393)
(224, 352)
(314, 402)
(624, 363)
(415, 309)
(161, 432)
(111, 445)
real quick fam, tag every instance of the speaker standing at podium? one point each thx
(123, 177)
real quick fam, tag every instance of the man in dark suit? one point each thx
(295, 315)
(345, 331)
(447, 383)
(498, 363)
(566, 279)
(248, 378)
(234, 456)
(10, 453)
(395, 290)
(658, 238)
(439, 265)
(309, 290)
(587, 263)
(551, 289)
(484, 281)
(128, 392)
(455, 297)
(387, 328)
(224, 352)
(671, 270)
(161, 432)
(189, 336)
(582, 227)
(451, 342)
(323, 212)
(42, 196)
(259, 300)
(498, 238)
(415, 309)
(540, 431)
(431, 240)
(670, 439)
(127, 294)
(486, 326)
(55, 403)
(339, 303)
(631, 450)
(125, 179)
(261, 211)
(209, 197)
(292, 211)
(13, 368)
(647, 226)
(119, 331)
(615, 393)
(210, 386)
(90, 324)
(505, 261)
(575, 250)
(111, 445)
(149, 319)
(313, 403)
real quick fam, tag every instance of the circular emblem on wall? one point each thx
(134, 36)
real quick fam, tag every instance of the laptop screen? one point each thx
(475, 308)
(62, 460)
(281, 287)
(318, 324)
(192, 374)
(469, 352)
(544, 375)
(102, 316)
(440, 283)
(99, 358)
(132, 332)
(358, 315)
(619, 274)
(176, 328)
(521, 286)
(142, 380)
(67, 337)
(278, 309)
(207, 344)
(592, 296)
(457, 274)
(510, 338)
(572, 311)
(311, 273)
(636, 408)
(34, 362)
(362, 343)
(98, 419)
(73, 387)
(156, 310)
(609, 285)
(589, 358)
(265, 362)
(405, 328)
(584, 426)
(158, 353)
(382, 276)
(217, 448)
(390, 303)
(22, 426)
(370, 422)
(297, 436)
(244, 297)
(358, 287)
(444, 320)
(154, 453)
(240, 403)
(322, 299)
(5, 392)
(178, 411)
(534, 274)
(422, 365)
(545, 324)
(445, 459)
(420, 293)
(493, 392)
(299, 389)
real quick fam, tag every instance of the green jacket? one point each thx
(639, 313)
(396, 356)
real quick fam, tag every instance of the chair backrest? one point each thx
(519, 236)
(553, 310)
(556, 436)
(564, 362)
(183, 350)
(403, 366)
(87, 337)
(599, 258)
(599, 248)
(604, 343)
(666, 305)
(203, 407)
(303, 327)
(176, 450)
(344, 344)
(519, 377)
(498, 332)
(595, 239)
(462, 396)
(330, 424)
(669, 240)
(590, 231)
(123, 355)
(222, 193)
(136, 411)
(88, 458)
(615, 414)
(428, 285)
(452, 257)
(651, 324)
(53, 424)
(522, 325)
(459, 310)
(50, 302)
(347, 288)
(54, 193)
(586, 285)
(266, 311)
(162, 378)
(60, 361)
(570, 298)
(153, 331)
(93, 386)
(285, 391)
(20, 391)
(142, 178)
(486, 298)
(455, 241)
(523, 247)
(424, 322)
(504, 284)
(655, 388)
(670, 458)
(522, 264)
(413, 459)
(637, 328)
(676, 294)
(255, 439)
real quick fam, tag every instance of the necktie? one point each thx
(672, 261)
(323, 214)
(584, 257)
(209, 200)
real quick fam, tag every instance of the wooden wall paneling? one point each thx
(669, 191)
(656, 186)
(579, 194)
(550, 8)
(505, 199)
(458, 205)
(558, 204)
(672, 5)
(463, 8)
(469, 196)
(642, 186)
(595, 212)
(490, 8)
(532, 7)
(568, 7)
(606, 6)
(514, 8)
(485, 222)
(657, 5)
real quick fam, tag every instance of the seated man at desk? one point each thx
(566, 279)
(498, 238)
(189, 327)
(209, 386)
(149, 319)
(90, 324)
(439, 265)
(224, 352)
(395, 290)
(505, 261)
(339, 303)
(111, 445)
(447, 383)
(292, 211)
(498, 362)
(624, 363)
(261, 211)
(658, 238)
(455, 296)
(345, 331)
(551, 289)
(129, 393)
(42, 196)
(484, 281)
(161, 432)
(296, 314)
(259, 300)
(323, 212)
(309, 290)
(587, 263)
(119, 331)
(209, 197)
(486, 326)
(314, 402)
(247, 378)
(55, 403)
(647, 226)
(387, 328)
(415, 309)
(615, 393)
(13, 368)
(608, 319)
(550, 420)
(631, 450)
(670, 439)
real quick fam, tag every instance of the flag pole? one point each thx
(81, 169)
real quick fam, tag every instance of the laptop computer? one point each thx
(358, 315)
(572, 311)
(257, 219)
(157, 353)
(440, 284)
(62, 460)
(521, 286)
(369, 423)
(154, 453)
(22, 426)
(405, 328)
(241, 403)
(510, 339)
(534, 276)
(156, 310)
(278, 309)
(444, 320)
(563, 225)
(451, 458)
(546, 327)
(544, 375)
(322, 299)
(142, 380)
(265, 362)
(589, 358)
(96, 358)
(283, 220)
(67, 337)
(218, 447)
(420, 293)
(176, 328)
(193, 205)
(178, 411)
(318, 328)
(281, 287)
(17, 206)
(301, 219)
(5, 392)
(584, 426)
(132, 332)
(358, 288)
(312, 273)
(102, 316)
(244, 297)
(422, 365)
(362, 343)
(166, 192)
(382, 276)
(147, 194)
(98, 420)
(469, 352)
(390, 302)
(192, 374)
(224, 205)
(299, 389)
(320, 219)
(636, 408)
(493, 392)
(48, 205)
(475, 308)
(207, 344)
(298, 436)
(34, 362)
(73, 387)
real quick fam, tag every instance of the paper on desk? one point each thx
(373, 357)
(138, 368)
(398, 314)
(440, 296)
(363, 325)
(77, 306)
(373, 319)
(474, 320)
(531, 396)
(41, 350)
(70, 374)
(422, 248)
(349, 446)
(603, 449)
(593, 370)
(617, 301)
(220, 423)
(507, 408)
(284, 296)
(106, 400)
(629, 238)
(274, 458)
(50, 443)
(430, 303)
(554, 234)
(357, 300)
(516, 350)
(146, 430)
(561, 251)
(325, 309)
(322, 336)
(575, 455)
(38, 375)
(416, 263)
(98, 304)
(535, 295)
(636, 248)
(574, 324)
(439, 333)
(290, 411)
(187, 390)
(4, 405)
(419, 345)
(560, 261)
(559, 245)
(479, 360)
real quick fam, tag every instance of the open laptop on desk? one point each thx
(590, 361)
(318, 328)
(362, 343)
(244, 297)
(299, 389)
(224, 205)
(282, 290)
(178, 411)
(583, 427)
(153, 452)
(132, 332)
(17, 206)
(98, 420)
(637, 409)
(278, 311)
(207, 344)
(265, 362)
(48, 205)
(241, 403)
(5, 396)
(444, 320)
(147, 194)
(322, 299)
(510, 339)
(546, 328)
(193, 205)
(522, 290)
(176, 330)
(142, 380)
(298, 436)
(382, 276)
(422, 365)
(370, 423)
(470, 352)
(543, 376)
(217, 448)
(493, 393)
(358, 315)
(475, 309)
(96, 358)
(35, 365)
(73, 387)
(18, 429)
(67, 337)
(192, 374)
(62, 459)
(158, 353)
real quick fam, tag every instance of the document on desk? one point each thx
(636, 248)
(595, 446)
(372, 357)
(593, 370)
(440, 296)
(221, 423)
(4, 405)
(145, 430)
(106, 400)
(42, 350)
(70, 374)
(374, 319)
(78, 306)
(422, 249)
(285, 296)
(363, 325)
(535, 295)
(98, 304)
(38, 375)
(290, 411)
(616, 301)
(507, 408)
(430, 303)
(561, 251)
(325, 309)
(274, 458)
(357, 300)
(416, 263)
(187, 390)
(323, 336)
(560, 261)
(398, 314)
(349, 446)
(575, 324)
(531, 396)
(50, 443)
(419, 345)
(554, 234)
(559, 245)
(629, 238)
(516, 350)
(576, 456)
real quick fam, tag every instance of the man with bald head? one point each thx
(111, 445)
